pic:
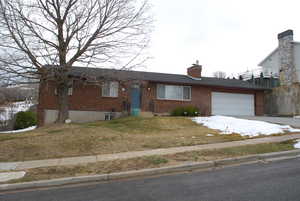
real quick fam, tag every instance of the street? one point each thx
(276, 181)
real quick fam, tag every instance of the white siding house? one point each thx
(270, 65)
(286, 54)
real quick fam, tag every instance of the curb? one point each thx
(269, 157)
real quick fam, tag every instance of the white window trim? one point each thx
(190, 87)
(109, 95)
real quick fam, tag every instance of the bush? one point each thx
(25, 120)
(190, 111)
(178, 111)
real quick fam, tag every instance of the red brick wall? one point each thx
(85, 97)
(200, 98)
(259, 103)
(88, 98)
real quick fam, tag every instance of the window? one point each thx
(70, 91)
(109, 116)
(110, 89)
(173, 92)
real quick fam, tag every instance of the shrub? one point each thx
(25, 120)
(190, 111)
(178, 111)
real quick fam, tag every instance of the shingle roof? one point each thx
(162, 77)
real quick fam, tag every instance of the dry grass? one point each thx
(150, 162)
(103, 137)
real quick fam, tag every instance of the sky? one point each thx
(231, 36)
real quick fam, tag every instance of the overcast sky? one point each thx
(231, 35)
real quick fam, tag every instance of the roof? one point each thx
(161, 77)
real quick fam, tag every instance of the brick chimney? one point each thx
(195, 70)
(288, 74)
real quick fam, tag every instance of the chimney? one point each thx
(287, 69)
(195, 70)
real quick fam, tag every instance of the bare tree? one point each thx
(37, 34)
(219, 74)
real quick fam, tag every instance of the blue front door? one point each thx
(135, 100)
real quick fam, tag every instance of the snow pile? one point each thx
(7, 112)
(209, 135)
(297, 145)
(7, 176)
(20, 130)
(229, 125)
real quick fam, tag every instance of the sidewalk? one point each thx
(9, 166)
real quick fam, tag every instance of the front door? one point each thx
(135, 100)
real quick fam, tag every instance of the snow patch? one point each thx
(252, 128)
(209, 135)
(297, 145)
(7, 111)
(7, 176)
(20, 130)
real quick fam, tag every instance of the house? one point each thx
(144, 93)
(284, 63)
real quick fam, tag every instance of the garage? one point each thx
(235, 104)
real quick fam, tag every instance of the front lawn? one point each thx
(150, 161)
(103, 137)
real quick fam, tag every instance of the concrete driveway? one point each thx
(278, 120)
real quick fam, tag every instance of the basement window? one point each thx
(108, 116)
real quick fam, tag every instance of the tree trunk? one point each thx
(63, 103)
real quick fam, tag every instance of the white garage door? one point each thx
(232, 104)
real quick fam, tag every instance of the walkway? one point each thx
(127, 155)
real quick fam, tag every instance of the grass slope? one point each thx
(103, 137)
(150, 161)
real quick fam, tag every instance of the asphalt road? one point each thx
(277, 181)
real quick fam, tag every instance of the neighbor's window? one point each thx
(110, 89)
(173, 92)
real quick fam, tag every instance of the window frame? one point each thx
(181, 86)
(110, 88)
(70, 91)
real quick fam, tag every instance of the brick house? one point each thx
(145, 93)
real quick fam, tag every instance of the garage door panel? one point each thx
(232, 104)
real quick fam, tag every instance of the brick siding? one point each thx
(87, 97)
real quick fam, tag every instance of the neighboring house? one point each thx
(283, 62)
(134, 92)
